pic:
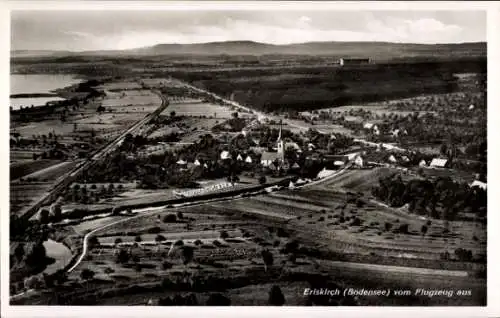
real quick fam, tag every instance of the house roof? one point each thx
(225, 155)
(368, 125)
(392, 158)
(239, 157)
(248, 159)
(181, 162)
(438, 162)
(478, 183)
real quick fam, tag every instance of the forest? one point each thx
(441, 199)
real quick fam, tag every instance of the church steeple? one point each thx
(279, 143)
(279, 134)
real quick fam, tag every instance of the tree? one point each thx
(218, 299)
(387, 226)
(172, 114)
(123, 257)
(276, 297)
(262, 180)
(170, 218)
(57, 212)
(118, 241)
(138, 239)
(33, 282)
(223, 235)
(87, 274)
(19, 252)
(159, 238)
(180, 215)
(268, 258)
(424, 229)
(187, 254)
(115, 210)
(37, 255)
(44, 216)
(93, 242)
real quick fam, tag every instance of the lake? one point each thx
(37, 83)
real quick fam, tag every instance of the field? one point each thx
(29, 166)
(199, 108)
(22, 193)
(329, 233)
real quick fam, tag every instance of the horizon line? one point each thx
(256, 42)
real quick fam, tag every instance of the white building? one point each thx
(225, 155)
(479, 184)
(358, 161)
(438, 163)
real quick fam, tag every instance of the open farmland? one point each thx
(199, 108)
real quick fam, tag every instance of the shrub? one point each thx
(217, 243)
(170, 218)
(166, 265)
(223, 235)
(154, 230)
(262, 180)
(403, 228)
(276, 243)
(276, 297)
(387, 226)
(122, 257)
(281, 233)
(356, 222)
(179, 243)
(160, 238)
(180, 215)
(321, 219)
(218, 299)
(198, 242)
(424, 229)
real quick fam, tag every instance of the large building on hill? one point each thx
(354, 61)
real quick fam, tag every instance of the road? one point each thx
(262, 115)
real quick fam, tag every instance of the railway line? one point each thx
(100, 154)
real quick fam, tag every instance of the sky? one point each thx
(116, 30)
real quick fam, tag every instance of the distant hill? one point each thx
(352, 49)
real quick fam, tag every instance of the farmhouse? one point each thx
(293, 145)
(225, 155)
(479, 184)
(438, 163)
(269, 157)
(392, 159)
(353, 61)
(358, 161)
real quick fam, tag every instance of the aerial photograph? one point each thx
(248, 158)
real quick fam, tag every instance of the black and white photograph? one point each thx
(247, 157)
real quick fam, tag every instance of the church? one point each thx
(277, 157)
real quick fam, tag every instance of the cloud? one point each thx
(79, 34)
(125, 29)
